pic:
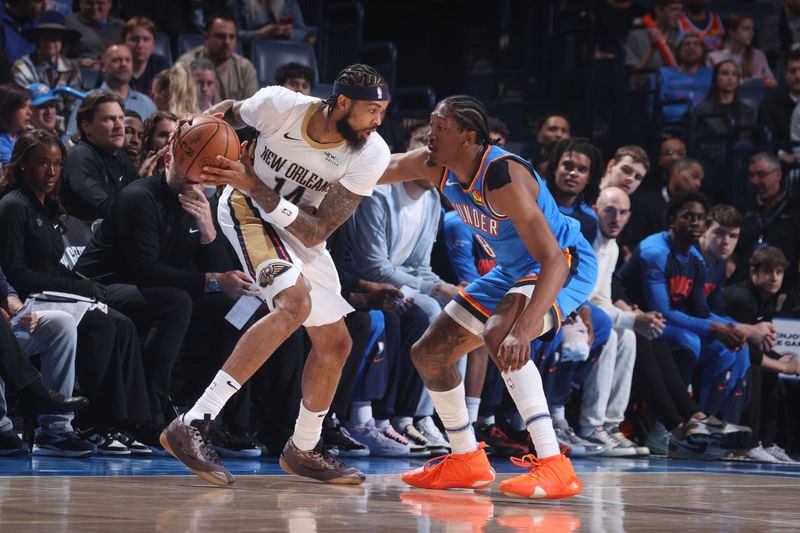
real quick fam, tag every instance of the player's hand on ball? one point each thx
(238, 174)
(514, 352)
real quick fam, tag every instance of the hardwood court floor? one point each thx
(619, 495)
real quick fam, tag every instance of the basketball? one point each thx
(201, 142)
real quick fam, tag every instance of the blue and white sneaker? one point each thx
(381, 443)
(61, 445)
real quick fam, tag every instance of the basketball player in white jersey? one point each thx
(313, 162)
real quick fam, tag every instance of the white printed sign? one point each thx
(788, 342)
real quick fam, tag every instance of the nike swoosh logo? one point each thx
(286, 136)
(231, 385)
(377, 359)
(193, 230)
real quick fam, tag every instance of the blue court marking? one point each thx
(165, 466)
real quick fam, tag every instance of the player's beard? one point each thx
(351, 136)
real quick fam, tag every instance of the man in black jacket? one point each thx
(160, 235)
(97, 168)
(775, 111)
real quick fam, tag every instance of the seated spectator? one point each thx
(652, 44)
(262, 19)
(174, 91)
(97, 168)
(43, 110)
(53, 336)
(161, 236)
(770, 217)
(615, 18)
(157, 130)
(723, 97)
(776, 109)
(15, 117)
(108, 363)
(17, 16)
(236, 75)
(788, 24)
(700, 20)
(116, 65)
(689, 79)
(139, 33)
(739, 48)
(98, 30)
(755, 301)
(671, 149)
(649, 214)
(134, 131)
(667, 275)
(295, 76)
(498, 132)
(550, 129)
(205, 79)
(47, 64)
(626, 170)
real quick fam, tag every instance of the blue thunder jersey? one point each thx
(495, 231)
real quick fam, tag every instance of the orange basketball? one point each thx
(201, 142)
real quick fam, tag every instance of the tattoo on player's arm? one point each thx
(264, 196)
(337, 206)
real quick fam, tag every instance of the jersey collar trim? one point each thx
(304, 130)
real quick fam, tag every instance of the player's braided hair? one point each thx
(470, 114)
(354, 76)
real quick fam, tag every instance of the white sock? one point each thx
(473, 404)
(558, 412)
(360, 413)
(216, 395)
(400, 423)
(307, 428)
(525, 387)
(487, 420)
(452, 410)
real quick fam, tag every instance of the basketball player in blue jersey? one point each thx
(545, 270)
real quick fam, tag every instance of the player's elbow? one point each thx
(556, 264)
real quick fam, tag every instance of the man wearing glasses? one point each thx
(770, 218)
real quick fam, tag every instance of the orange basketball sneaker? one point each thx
(453, 471)
(550, 478)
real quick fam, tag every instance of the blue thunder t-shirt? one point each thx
(495, 231)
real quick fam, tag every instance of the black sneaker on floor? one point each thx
(61, 445)
(501, 444)
(11, 444)
(233, 444)
(105, 443)
(133, 444)
(335, 437)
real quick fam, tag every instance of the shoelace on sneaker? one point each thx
(206, 445)
(526, 461)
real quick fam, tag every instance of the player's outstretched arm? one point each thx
(516, 197)
(411, 166)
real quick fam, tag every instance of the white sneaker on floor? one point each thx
(753, 455)
(625, 442)
(567, 437)
(780, 454)
(611, 447)
(437, 441)
(420, 446)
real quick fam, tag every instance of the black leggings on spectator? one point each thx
(358, 325)
(110, 372)
(656, 380)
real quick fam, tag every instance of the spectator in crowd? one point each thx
(139, 34)
(771, 217)
(723, 97)
(670, 149)
(97, 168)
(667, 274)
(576, 169)
(43, 109)
(689, 79)
(53, 336)
(134, 132)
(776, 109)
(108, 360)
(607, 387)
(651, 45)
(161, 237)
(755, 301)
(739, 48)
(174, 90)
(550, 129)
(205, 80)
(47, 64)
(789, 26)
(263, 19)
(157, 130)
(626, 170)
(236, 75)
(700, 20)
(117, 64)
(15, 117)
(98, 30)
(498, 132)
(17, 16)
(648, 215)
(295, 76)
(615, 18)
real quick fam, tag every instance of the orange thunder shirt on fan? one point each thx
(713, 34)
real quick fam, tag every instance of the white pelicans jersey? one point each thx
(294, 165)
